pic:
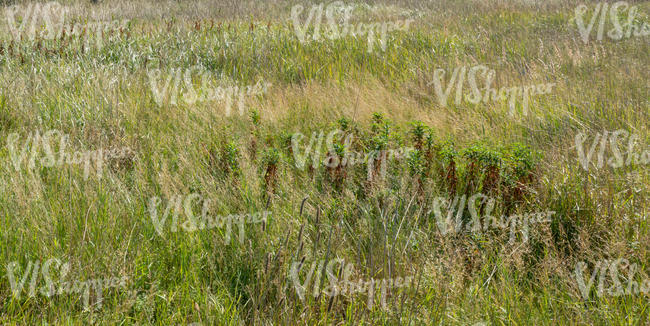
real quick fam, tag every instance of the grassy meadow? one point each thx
(245, 161)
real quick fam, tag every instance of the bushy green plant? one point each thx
(344, 123)
(415, 162)
(230, 156)
(224, 159)
(418, 131)
(270, 161)
(448, 155)
(380, 126)
(491, 161)
(521, 161)
(255, 117)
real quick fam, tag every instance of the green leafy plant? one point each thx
(419, 131)
(448, 155)
(482, 161)
(380, 126)
(472, 155)
(521, 161)
(285, 142)
(415, 163)
(270, 160)
(224, 161)
(344, 123)
(431, 146)
(229, 158)
(337, 174)
(491, 163)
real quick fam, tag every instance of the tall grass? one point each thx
(102, 98)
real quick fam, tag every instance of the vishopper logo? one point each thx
(177, 204)
(636, 156)
(65, 286)
(338, 25)
(341, 286)
(32, 17)
(489, 94)
(621, 29)
(341, 155)
(48, 21)
(166, 88)
(33, 143)
(618, 285)
(444, 209)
